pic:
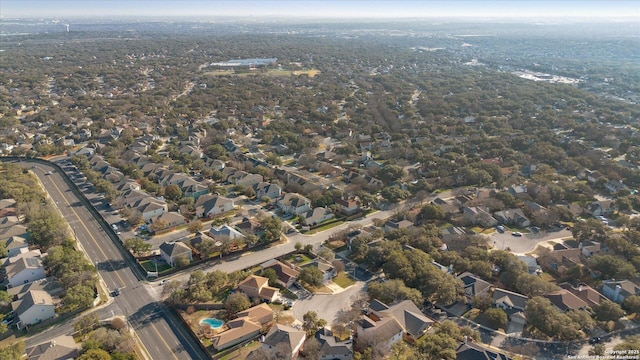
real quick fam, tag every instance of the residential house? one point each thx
(47, 284)
(25, 270)
(474, 351)
(150, 207)
(267, 189)
(600, 208)
(257, 287)
(7, 203)
(15, 245)
(332, 348)
(560, 260)
(292, 203)
(348, 207)
(225, 232)
(283, 336)
(287, 275)
(9, 221)
(59, 348)
(517, 190)
(328, 271)
(374, 330)
(564, 300)
(614, 186)
(477, 215)
(618, 290)
(33, 307)
(533, 207)
(261, 314)
(192, 188)
(217, 164)
(508, 300)
(170, 251)
(246, 179)
(473, 286)
(532, 263)
(168, 220)
(585, 292)
(236, 331)
(589, 248)
(316, 216)
(528, 170)
(413, 322)
(395, 225)
(15, 230)
(513, 217)
(212, 205)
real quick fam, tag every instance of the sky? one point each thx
(323, 8)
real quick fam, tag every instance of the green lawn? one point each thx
(150, 266)
(343, 280)
(298, 259)
(325, 227)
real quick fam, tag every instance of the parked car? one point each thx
(500, 229)
(516, 233)
(595, 340)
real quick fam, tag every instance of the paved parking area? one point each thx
(328, 306)
(526, 242)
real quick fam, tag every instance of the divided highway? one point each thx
(162, 334)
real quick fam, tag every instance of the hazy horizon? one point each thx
(322, 9)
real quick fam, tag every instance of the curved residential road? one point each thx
(162, 334)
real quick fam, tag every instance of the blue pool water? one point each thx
(214, 323)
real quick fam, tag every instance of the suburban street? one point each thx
(163, 336)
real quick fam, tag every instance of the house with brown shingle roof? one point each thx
(261, 314)
(287, 275)
(257, 287)
(585, 292)
(564, 300)
(236, 331)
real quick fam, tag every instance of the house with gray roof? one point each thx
(211, 205)
(25, 270)
(332, 348)
(61, 347)
(618, 290)
(170, 251)
(473, 286)
(283, 336)
(413, 322)
(224, 232)
(15, 245)
(509, 300)
(474, 351)
(292, 203)
(33, 307)
(512, 217)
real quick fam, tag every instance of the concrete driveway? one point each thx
(327, 306)
(527, 242)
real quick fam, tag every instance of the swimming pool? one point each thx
(213, 322)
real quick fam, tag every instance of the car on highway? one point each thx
(516, 233)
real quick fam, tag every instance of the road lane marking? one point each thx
(89, 232)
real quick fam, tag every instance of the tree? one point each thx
(608, 311)
(272, 226)
(14, 351)
(612, 267)
(326, 254)
(311, 275)
(392, 291)
(311, 349)
(182, 261)
(632, 303)
(86, 323)
(311, 323)
(629, 343)
(271, 275)
(496, 318)
(390, 173)
(393, 194)
(532, 285)
(173, 192)
(597, 350)
(338, 266)
(95, 354)
(431, 212)
(236, 302)
(137, 246)
(194, 226)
